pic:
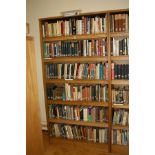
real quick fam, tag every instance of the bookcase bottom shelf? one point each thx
(82, 145)
(120, 149)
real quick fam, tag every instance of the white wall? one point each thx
(44, 8)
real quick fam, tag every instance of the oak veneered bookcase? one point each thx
(111, 27)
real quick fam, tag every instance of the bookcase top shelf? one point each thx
(84, 14)
(76, 59)
(75, 37)
(89, 81)
(73, 122)
(86, 103)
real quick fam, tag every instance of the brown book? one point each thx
(123, 22)
(116, 23)
(46, 29)
(92, 47)
(119, 22)
(126, 22)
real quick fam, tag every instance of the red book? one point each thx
(73, 93)
(106, 71)
(112, 71)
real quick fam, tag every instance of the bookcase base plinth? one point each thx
(120, 149)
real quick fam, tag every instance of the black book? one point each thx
(65, 48)
(118, 71)
(73, 26)
(68, 67)
(72, 49)
(127, 71)
(76, 49)
(81, 43)
(70, 27)
(48, 93)
(52, 71)
(120, 47)
(81, 114)
(121, 71)
(103, 24)
(123, 46)
(69, 50)
(111, 44)
(56, 71)
(62, 71)
(97, 135)
(72, 71)
(62, 48)
(115, 71)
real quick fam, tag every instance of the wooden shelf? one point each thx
(122, 82)
(86, 103)
(89, 81)
(73, 122)
(119, 34)
(120, 58)
(75, 37)
(124, 106)
(76, 59)
(120, 127)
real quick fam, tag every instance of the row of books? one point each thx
(119, 22)
(97, 135)
(78, 113)
(119, 46)
(94, 47)
(119, 71)
(77, 71)
(78, 93)
(120, 95)
(120, 117)
(120, 137)
(75, 26)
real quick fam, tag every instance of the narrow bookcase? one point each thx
(85, 67)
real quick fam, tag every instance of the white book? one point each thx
(114, 47)
(85, 113)
(43, 30)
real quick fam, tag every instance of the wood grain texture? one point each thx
(34, 143)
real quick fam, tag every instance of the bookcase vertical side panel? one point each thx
(43, 70)
(109, 80)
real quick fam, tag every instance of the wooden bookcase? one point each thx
(109, 147)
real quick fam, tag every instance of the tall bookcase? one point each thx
(98, 40)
